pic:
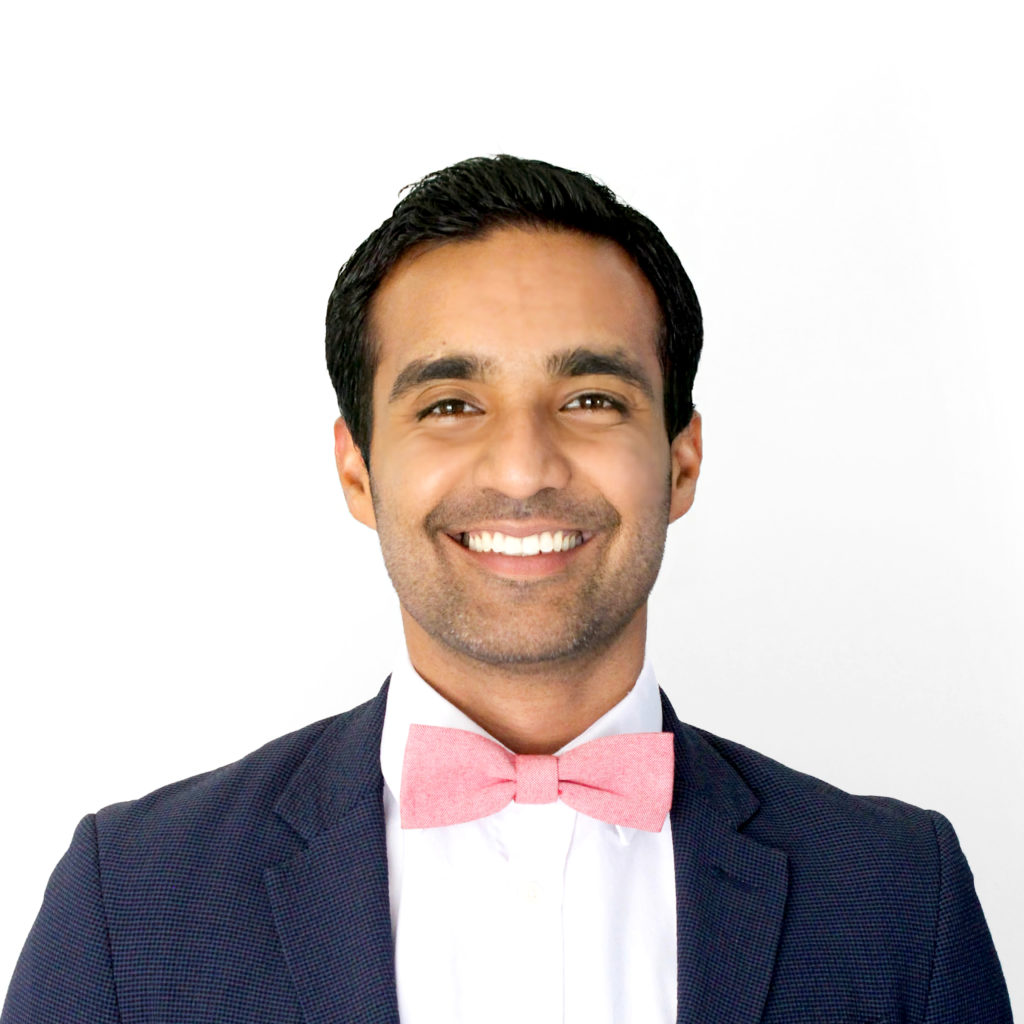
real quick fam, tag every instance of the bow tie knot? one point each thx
(452, 776)
(536, 778)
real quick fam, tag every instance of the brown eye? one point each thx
(595, 402)
(447, 407)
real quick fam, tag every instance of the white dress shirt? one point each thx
(536, 914)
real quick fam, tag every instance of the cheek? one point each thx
(420, 474)
(632, 472)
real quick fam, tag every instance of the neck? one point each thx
(537, 707)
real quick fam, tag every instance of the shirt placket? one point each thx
(540, 838)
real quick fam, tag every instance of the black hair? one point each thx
(471, 198)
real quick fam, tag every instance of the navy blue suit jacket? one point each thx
(259, 893)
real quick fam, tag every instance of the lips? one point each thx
(544, 542)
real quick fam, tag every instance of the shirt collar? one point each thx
(412, 700)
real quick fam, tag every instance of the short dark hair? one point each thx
(471, 198)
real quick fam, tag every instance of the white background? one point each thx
(180, 578)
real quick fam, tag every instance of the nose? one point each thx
(522, 455)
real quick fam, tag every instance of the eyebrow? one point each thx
(575, 362)
(582, 362)
(423, 371)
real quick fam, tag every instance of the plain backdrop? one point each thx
(180, 578)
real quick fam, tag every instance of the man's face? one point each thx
(521, 478)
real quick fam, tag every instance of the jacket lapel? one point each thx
(330, 901)
(730, 889)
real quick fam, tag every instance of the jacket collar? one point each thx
(341, 770)
(730, 888)
(330, 901)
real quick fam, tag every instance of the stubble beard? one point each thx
(521, 624)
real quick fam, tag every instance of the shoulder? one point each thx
(230, 809)
(870, 847)
(245, 786)
(874, 882)
(802, 807)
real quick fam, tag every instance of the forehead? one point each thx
(512, 297)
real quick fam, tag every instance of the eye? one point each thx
(596, 401)
(446, 408)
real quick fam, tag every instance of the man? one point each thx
(514, 353)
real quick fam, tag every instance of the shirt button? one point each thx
(531, 892)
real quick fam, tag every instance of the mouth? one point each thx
(543, 543)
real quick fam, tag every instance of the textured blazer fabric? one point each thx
(259, 893)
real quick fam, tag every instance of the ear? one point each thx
(686, 453)
(353, 474)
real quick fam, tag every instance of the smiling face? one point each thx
(521, 478)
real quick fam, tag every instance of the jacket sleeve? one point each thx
(64, 973)
(967, 985)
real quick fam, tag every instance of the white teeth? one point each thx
(535, 544)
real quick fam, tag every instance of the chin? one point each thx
(525, 648)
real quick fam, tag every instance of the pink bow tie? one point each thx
(451, 776)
